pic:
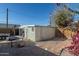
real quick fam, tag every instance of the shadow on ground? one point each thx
(30, 51)
(24, 51)
(55, 39)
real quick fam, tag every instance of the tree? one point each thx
(63, 17)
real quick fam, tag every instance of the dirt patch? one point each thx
(53, 46)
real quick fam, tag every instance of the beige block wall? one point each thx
(44, 33)
(37, 33)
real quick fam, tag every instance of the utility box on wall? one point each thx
(37, 33)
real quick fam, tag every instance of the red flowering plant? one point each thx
(74, 47)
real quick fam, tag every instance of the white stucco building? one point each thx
(36, 32)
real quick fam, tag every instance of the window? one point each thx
(32, 28)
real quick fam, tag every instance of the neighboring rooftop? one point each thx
(3, 25)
